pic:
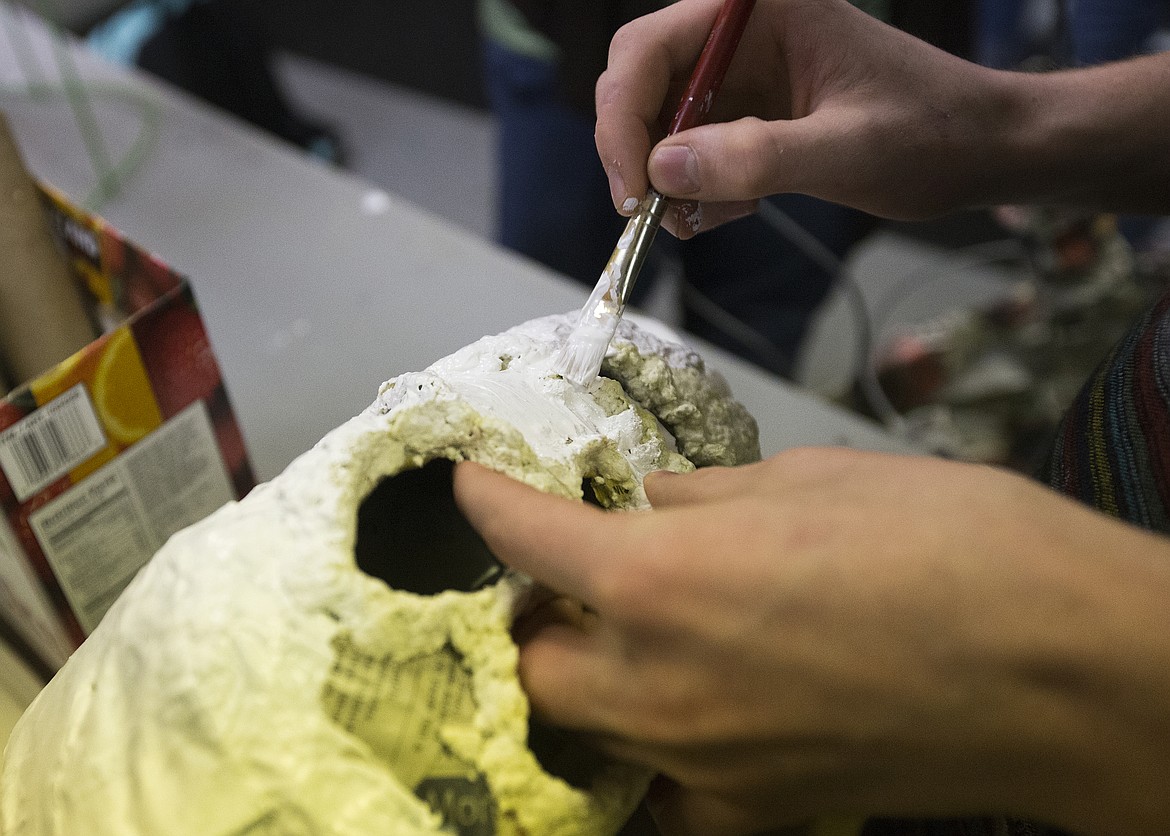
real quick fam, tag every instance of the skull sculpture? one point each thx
(332, 653)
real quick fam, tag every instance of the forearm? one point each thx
(1093, 137)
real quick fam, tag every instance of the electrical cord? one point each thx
(867, 323)
(111, 175)
(958, 261)
(732, 326)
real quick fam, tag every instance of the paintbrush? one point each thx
(579, 359)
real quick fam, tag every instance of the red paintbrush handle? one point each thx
(712, 64)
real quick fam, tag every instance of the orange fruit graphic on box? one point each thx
(112, 371)
(122, 394)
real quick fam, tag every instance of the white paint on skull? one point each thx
(198, 704)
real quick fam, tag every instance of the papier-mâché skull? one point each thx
(332, 653)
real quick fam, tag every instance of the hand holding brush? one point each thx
(579, 359)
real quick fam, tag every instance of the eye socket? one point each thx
(411, 535)
(588, 495)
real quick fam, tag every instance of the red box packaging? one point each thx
(107, 454)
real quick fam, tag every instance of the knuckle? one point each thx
(624, 38)
(625, 592)
(752, 154)
(607, 91)
(659, 709)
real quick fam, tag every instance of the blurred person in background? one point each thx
(1100, 31)
(1043, 34)
(1011, 33)
(1107, 30)
(216, 50)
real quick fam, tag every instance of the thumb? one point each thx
(739, 161)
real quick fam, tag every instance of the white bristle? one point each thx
(579, 359)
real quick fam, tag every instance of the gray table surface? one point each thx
(315, 286)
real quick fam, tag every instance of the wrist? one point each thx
(1089, 137)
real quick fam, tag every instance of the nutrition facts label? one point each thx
(99, 533)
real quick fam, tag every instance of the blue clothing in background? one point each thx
(1108, 30)
(1010, 32)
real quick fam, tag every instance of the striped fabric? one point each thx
(1113, 447)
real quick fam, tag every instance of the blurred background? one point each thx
(968, 335)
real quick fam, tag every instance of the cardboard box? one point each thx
(107, 454)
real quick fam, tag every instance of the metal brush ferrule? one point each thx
(632, 248)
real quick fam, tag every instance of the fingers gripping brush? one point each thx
(579, 359)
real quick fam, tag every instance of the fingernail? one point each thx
(655, 475)
(676, 169)
(631, 203)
